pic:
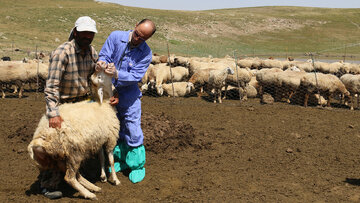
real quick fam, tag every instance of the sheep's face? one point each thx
(101, 85)
(144, 87)
(160, 90)
(230, 71)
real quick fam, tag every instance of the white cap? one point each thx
(84, 23)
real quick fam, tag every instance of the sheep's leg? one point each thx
(291, 94)
(70, 178)
(21, 90)
(113, 178)
(15, 89)
(226, 86)
(328, 101)
(261, 91)
(102, 163)
(306, 99)
(219, 91)
(88, 185)
(214, 94)
(2, 92)
(352, 103)
(357, 100)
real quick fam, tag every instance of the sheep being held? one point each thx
(87, 129)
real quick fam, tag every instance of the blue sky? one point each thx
(219, 4)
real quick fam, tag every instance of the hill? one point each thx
(44, 24)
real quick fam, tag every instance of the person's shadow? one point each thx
(352, 181)
(90, 170)
(66, 189)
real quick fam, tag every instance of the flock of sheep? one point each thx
(18, 73)
(253, 77)
(249, 77)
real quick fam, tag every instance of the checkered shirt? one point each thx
(69, 73)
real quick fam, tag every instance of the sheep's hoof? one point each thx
(115, 181)
(103, 179)
(91, 196)
(96, 189)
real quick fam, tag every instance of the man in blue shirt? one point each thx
(126, 56)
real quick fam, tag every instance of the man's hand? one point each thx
(111, 70)
(114, 101)
(55, 122)
(100, 65)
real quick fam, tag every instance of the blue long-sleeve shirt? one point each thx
(132, 68)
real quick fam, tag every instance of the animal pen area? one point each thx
(260, 144)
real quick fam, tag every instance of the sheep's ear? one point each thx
(101, 94)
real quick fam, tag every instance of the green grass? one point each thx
(45, 24)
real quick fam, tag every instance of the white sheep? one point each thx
(326, 84)
(253, 63)
(163, 75)
(217, 80)
(181, 89)
(200, 80)
(287, 83)
(18, 73)
(242, 77)
(181, 61)
(195, 65)
(352, 84)
(272, 63)
(266, 80)
(87, 127)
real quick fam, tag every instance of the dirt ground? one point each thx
(198, 151)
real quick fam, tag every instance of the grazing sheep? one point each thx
(195, 65)
(266, 78)
(288, 82)
(271, 63)
(252, 63)
(326, 84)
(241, 76)
(18, 73)
(306, 66)
(181, 89)
(179, 74)
(217, 81)
(200, 80)
(87, 127)
(155, 59)
(352, 84)
(181, 61)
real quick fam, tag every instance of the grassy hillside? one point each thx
(27, 24)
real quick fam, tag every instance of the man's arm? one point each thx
(57, 66)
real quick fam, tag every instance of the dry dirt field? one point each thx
(198, 151)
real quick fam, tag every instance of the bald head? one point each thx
(143, 31)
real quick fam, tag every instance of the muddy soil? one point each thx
(198, 151)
